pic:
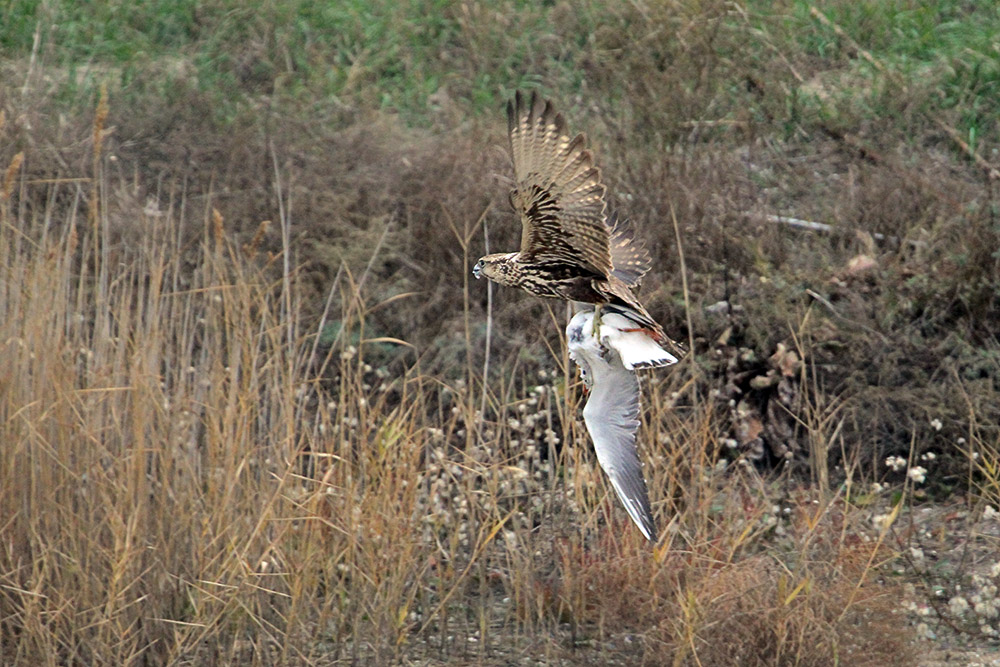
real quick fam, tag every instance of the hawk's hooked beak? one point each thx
(477, 270)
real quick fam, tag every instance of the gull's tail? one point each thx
(635, 344)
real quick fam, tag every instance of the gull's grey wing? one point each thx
(612, 418)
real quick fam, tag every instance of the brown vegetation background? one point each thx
(252, 411)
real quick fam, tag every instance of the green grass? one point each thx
(947, 46)
(390, 55)
(397, 55)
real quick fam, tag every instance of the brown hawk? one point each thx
(570, 248)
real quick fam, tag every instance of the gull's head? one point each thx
(580, 333)
(584, 348)
(499, 268)
(580, 328)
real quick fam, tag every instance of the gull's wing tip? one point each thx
(668, 360)
(636, 504)
(646, 525)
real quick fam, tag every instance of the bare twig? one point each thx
(818, 15)
(285, 219)
(36, 41)
(489, 337)
(833, 311)
(687, 296)
(991, 172)
(812, 226)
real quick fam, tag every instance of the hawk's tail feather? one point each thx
(630, 260)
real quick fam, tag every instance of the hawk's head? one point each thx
(500, 268)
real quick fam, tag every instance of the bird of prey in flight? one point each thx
(606, 361)
(570, 247)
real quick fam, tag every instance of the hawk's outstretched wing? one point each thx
(558, 191)
(612, 418)
(629, 259)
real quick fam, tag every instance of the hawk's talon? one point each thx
(597, 322)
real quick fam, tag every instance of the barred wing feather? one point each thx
(558, 191)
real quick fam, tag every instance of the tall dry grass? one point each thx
(193, 474)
